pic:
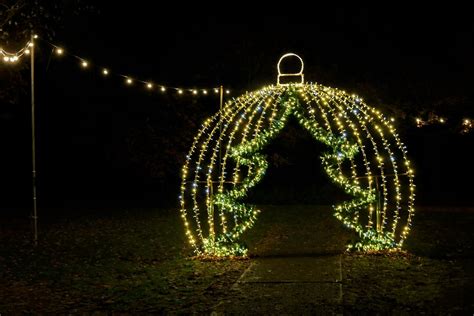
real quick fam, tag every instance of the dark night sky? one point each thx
(189, 45)
(406, 55)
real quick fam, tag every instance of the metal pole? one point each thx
(221, 101)
(378, 205)
(33, 141)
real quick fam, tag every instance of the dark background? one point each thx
(103, 144)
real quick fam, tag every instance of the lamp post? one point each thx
(33, 140)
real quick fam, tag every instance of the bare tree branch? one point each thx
(12, 11)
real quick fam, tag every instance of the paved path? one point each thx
(287, 285)
(294, 270)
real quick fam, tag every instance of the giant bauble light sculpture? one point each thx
(365, 157)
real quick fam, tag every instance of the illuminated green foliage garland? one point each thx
(364, 150)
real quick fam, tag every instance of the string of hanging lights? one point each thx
(129, 80)
(465, 126)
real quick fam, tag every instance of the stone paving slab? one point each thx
(285, 285)
(282, 298)
(293, 270)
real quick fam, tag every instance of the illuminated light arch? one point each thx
(366, 158)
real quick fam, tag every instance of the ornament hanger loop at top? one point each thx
(300, 73)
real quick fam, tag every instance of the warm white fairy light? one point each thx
(149, 85)
(129, 81)
(84, 64)
(59, 51)
(13, 57)
(105, 71)
(163, 89)
(419, 122)
(467, 125)
(234, 138)
(180, 91)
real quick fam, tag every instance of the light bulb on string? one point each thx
(84, 64)
(105, 71)
(59, 51)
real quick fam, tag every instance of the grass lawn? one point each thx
(137, 261)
